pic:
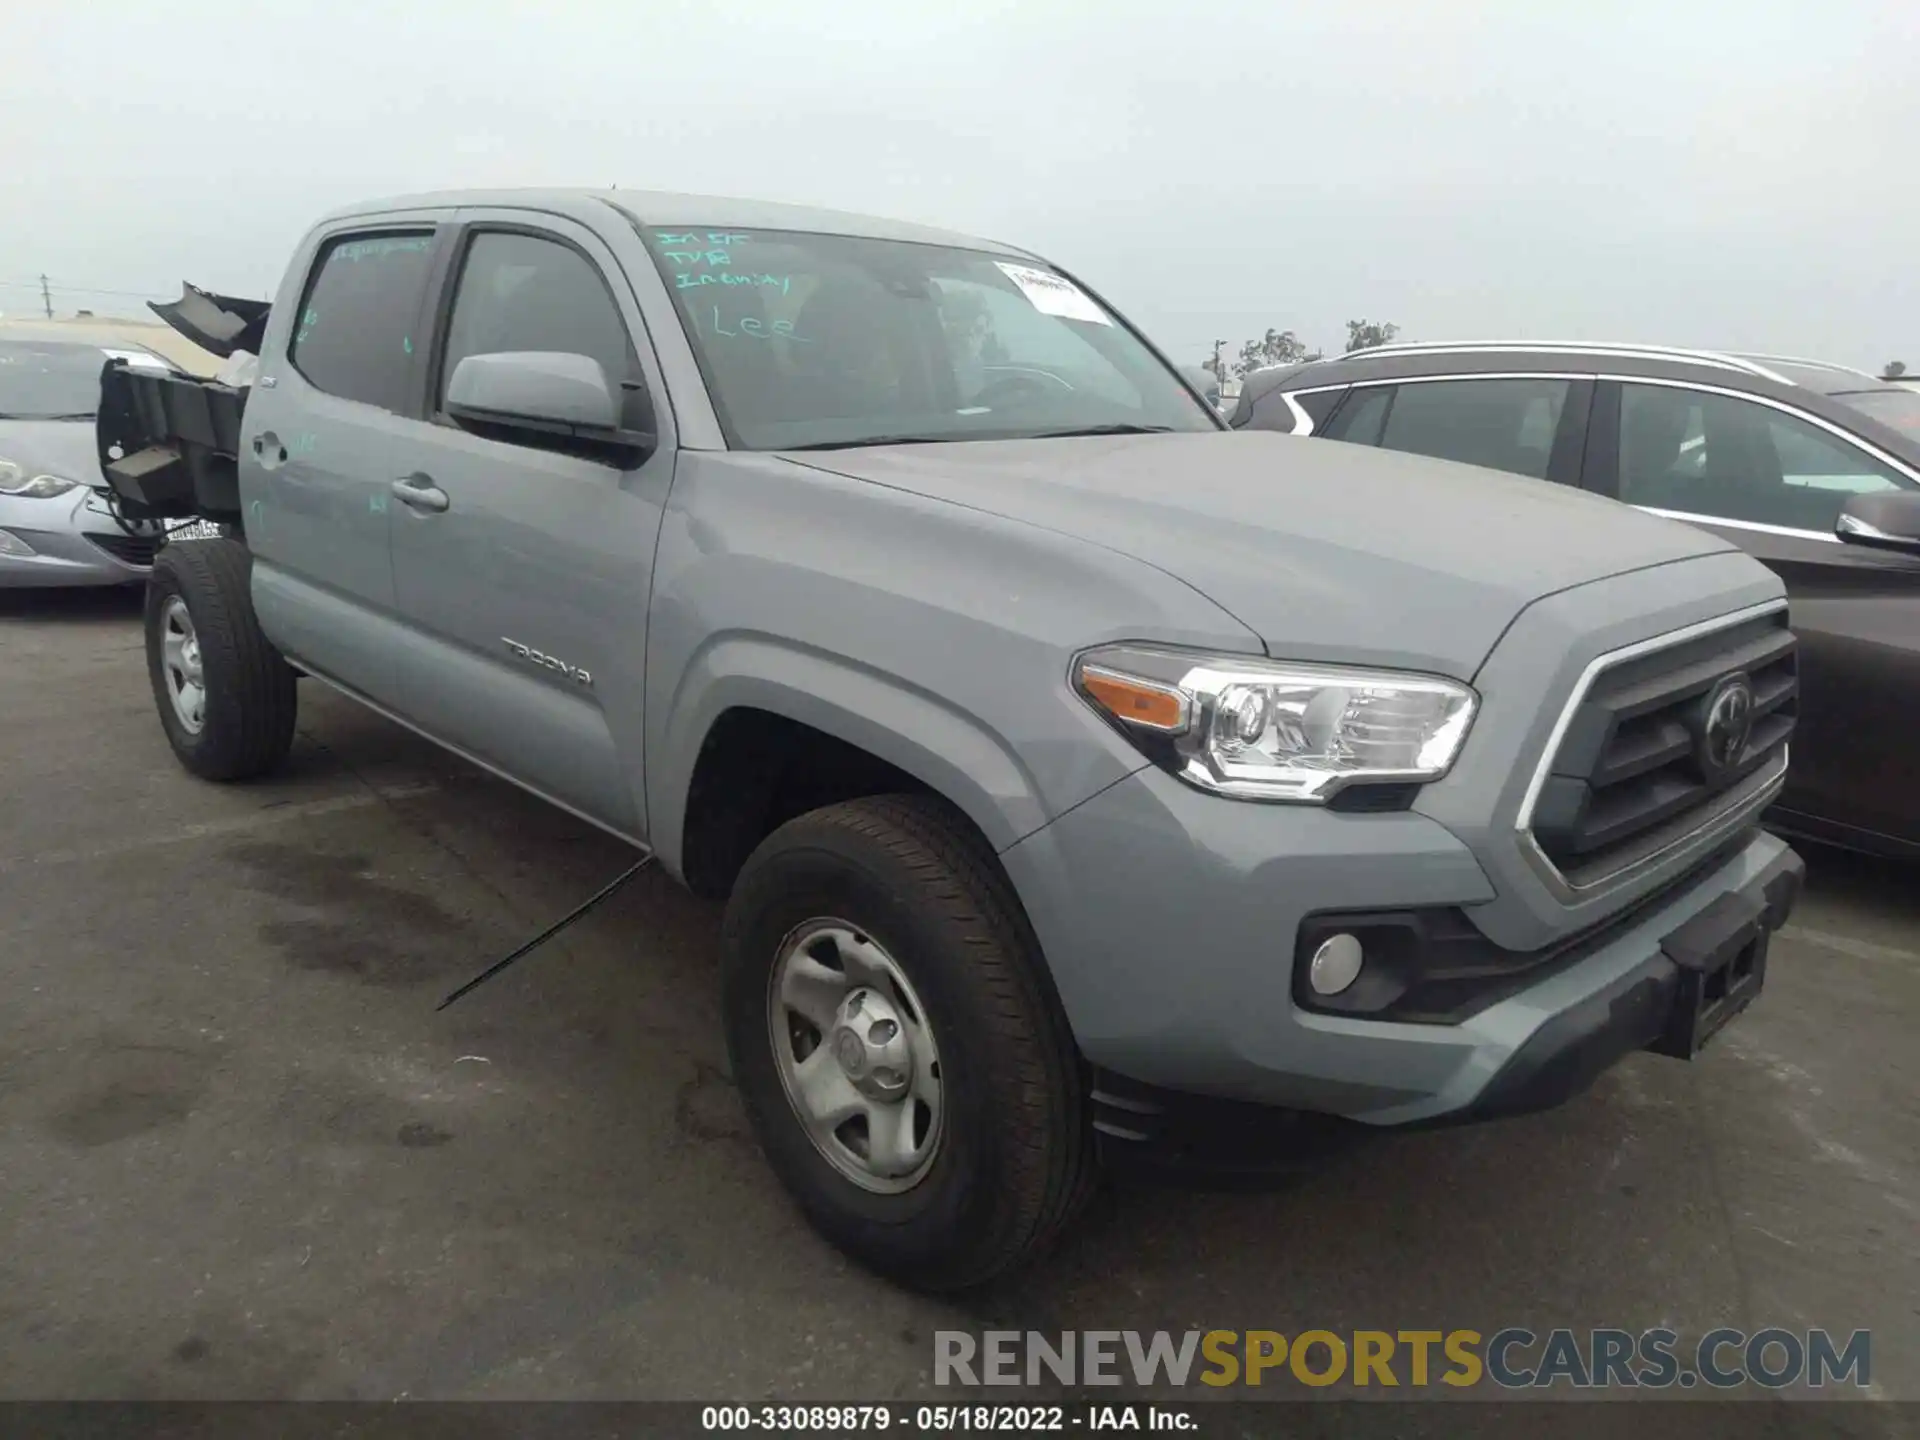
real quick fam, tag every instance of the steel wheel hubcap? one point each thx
(856, 1055)
(180, 662)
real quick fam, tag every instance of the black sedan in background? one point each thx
(1812, 468)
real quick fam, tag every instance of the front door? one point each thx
(522, 568)
(1772, 481)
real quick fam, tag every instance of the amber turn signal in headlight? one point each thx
(1272, 730)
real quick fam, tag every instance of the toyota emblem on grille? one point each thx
(1726, 724)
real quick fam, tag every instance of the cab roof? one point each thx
(651, 208)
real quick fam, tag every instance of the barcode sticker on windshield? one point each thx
(1053, 294)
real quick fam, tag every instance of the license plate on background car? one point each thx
(195, 530)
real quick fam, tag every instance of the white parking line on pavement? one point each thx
(260, 819)
(1847, 945)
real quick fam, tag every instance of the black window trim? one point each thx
(1608, 481)
(370, 227)
(460, 240)
(1565, 459)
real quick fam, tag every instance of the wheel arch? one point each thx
(748, 707)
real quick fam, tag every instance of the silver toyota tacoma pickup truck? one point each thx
(1087, 784)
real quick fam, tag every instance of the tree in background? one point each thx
(1895, 369)
(1276, 347)
(1364, 335)
(1283, 347)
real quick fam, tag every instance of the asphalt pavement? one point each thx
(241, 1156)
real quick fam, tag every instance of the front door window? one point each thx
(1693, 452)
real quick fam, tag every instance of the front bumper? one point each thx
(1655, 1006)
(1706, 971)
(1169, 921)
(72, 540)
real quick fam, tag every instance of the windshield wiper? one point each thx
(1121, 429)
(76, 415)
(871, 441)
(964, 436)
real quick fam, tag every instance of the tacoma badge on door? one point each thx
(572, 672)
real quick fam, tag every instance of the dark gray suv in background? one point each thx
(1810, 467)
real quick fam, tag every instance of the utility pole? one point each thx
(1216, 360)
(46, 297)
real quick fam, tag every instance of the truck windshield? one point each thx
(810, 340)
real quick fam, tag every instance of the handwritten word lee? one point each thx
(758, 329)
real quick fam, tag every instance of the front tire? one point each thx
(226, 697)
(896, 1044)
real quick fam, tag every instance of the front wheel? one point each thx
(904, 1062)
(226, 697)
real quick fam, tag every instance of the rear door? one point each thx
(1532, 425)
(1772, 480)
(319, 429)
(524, 584)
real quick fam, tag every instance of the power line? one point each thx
(42, 284)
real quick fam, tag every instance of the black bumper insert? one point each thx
(1708, 970)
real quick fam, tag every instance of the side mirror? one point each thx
(540, 389)
(1886, 520)
(552, 396)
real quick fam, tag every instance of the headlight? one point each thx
(15, 481)
(1272, 730)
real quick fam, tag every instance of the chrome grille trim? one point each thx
(1762, 788)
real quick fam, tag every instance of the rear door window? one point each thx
(1363, 417)
(1500, 424)
(355, 337)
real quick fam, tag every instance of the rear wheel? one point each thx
(226, 698)
(904, 1062)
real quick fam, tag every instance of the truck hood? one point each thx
(1326, 551)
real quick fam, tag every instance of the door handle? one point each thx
(418, 492)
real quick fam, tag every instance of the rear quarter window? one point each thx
(1318, 404)
(355, 334)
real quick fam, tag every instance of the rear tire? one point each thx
(904, 882)
(226, 697)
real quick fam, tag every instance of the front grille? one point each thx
(1635, 772)
(131, 549)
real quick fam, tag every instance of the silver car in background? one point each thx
(56, 527)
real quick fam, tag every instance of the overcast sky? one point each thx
(1689, 171)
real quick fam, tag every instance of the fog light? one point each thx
(12, 544)
(1335, 965)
